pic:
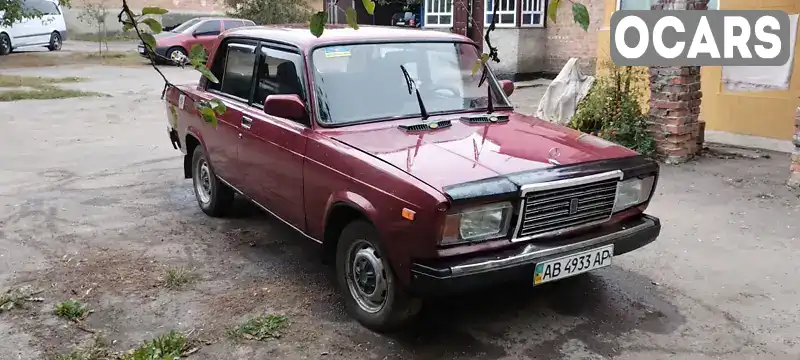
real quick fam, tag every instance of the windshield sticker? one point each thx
(181, 100)
(337, 51)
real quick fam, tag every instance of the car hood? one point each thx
(469, 152)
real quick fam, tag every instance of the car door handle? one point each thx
(247, 122)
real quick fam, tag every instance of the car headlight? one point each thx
(477, 223)
(633, 192)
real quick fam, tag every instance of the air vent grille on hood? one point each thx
(426, 126)
(484, 119)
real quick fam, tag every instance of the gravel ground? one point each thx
(93, 206)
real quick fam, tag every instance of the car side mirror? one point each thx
(508, 87)
(285, 106)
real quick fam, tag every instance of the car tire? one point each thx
(5, 44)
(55, 41)
(214, 197)
(174, 52)
(379, 303)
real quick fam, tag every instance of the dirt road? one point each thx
(93, 206)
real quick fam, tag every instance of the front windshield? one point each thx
(182, 27)
(363, 82)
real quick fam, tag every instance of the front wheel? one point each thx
(55, 41)
(177, 56)
(370, 289)
(214, 197)
(5, 44)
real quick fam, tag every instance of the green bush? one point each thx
(612, 110)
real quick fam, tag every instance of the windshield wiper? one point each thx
(410, 83)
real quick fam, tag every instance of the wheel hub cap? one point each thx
(366, 277)
(204, 182)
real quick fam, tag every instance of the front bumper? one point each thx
(468, 274)
(161, 51)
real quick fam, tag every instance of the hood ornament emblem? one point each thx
(433, 125)
(554, 153)
(493, 119)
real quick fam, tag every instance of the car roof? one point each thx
(300, 35)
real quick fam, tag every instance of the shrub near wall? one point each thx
(612, 110)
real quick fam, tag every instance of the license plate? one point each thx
(573, 264)
(400, 23)
(141, 49)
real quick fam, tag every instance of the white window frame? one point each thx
(619, 4)
(507, 7)
(437, 8)
(533, 7)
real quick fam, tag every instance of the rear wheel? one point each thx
(5, 44)
(55, 41)
(214, 197)
(370, 289)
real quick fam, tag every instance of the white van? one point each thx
(47, 30)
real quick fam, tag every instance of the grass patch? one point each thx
(16, 298)
(169, 346)
(50, 92)
(97, 350)
(34, 81)
(39, 88)
(72, 310)
(178, 278)
(46, 58)
(261, 328)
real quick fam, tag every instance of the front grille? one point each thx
(550, 210)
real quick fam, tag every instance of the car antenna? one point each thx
(484, 77)
(410, 83)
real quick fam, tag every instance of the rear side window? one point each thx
(41, 7)
(208, 28)
(237, 74)
(231, 24)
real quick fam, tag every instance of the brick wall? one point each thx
(674, 110)
(565, 39)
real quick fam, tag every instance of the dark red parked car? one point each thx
(174, 44)
(415, 176)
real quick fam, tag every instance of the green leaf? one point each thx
(153, 10)
(318, 21)
(197, 54)
(208, 115)
(581, 15)
(217, 106)
(352, 18)
(127, 27)
(480, 63)
(149, 40)
(154, 25)
(206, 72)
(552, 9)
(370, 6)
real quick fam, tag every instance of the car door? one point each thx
(23, 32)
(272, 150)
(234, 68)
(205, 33)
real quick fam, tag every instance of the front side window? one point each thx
(237, 76)
(208, 28)
(279, 73)
(185, 26)
(506, 13)
(364, 82)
